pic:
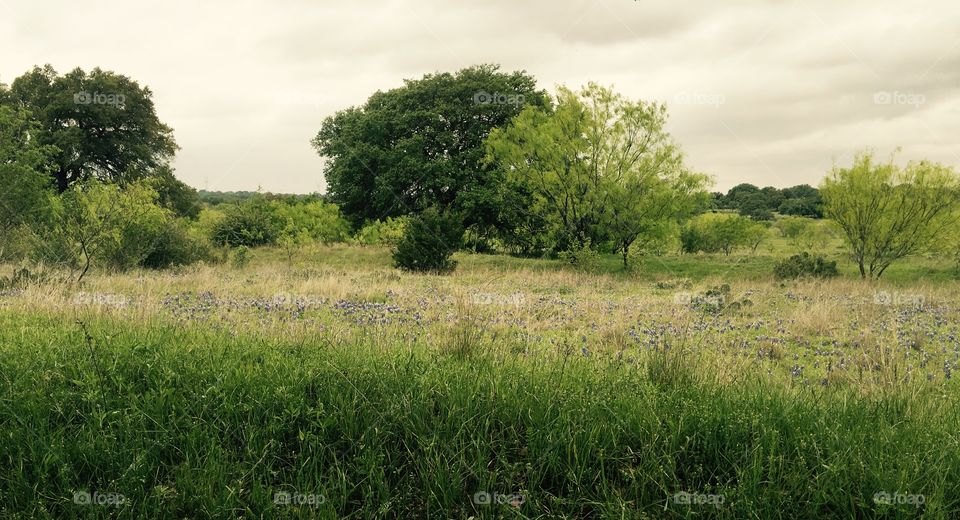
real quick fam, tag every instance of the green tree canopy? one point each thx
(421, 145)
(887, 212)
(103, 124)
(602, 168)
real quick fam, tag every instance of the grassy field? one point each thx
(338, 387)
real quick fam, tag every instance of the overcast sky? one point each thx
(767, 92)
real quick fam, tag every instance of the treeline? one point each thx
(761, 203)
(479, 159)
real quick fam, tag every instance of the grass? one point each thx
(204, 392)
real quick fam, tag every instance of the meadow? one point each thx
(335, 386)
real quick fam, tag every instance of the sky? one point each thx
(766, 92)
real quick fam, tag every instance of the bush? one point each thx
(179, 244)
(804, 265)
(251, 223)
(582, 259)
(382, 233)
(102, 224)
(428, 242)
(318, 221)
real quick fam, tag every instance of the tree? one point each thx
(103, 124)
(602, 168)
(421, 145)
(102, 222)
(756, 206)
(716, 232)
(24, 165)
(887, 212)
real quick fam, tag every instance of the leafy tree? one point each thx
(429, 240)
(717, 232)
(103, 124)
(739, 193)
(887, 212)
(386, 232)
(602, 168)
(24, 164)
(102, 223)
(421, 145)
(756, 206)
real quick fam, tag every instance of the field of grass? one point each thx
(338, 387)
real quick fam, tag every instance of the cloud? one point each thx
(770, 92)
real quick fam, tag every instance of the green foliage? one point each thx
(421, 145)
(715, 232)
(253, 223)
(804, 234)
(586, 188)
(584, 259)
(887, 212)
(174, 194)
(313, 221)
(241, 257)
(103, 125)
(759, 204)
(386, 232)
(25, 188)
(429, 240)
(179, 243)
(804, 265)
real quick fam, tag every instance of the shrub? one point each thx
(382, 233)
(251, 223)
(582, 259)
(316, 220)
(804, 265)
(103, 224)
(241, 257)
(179, 244)
(428, 242)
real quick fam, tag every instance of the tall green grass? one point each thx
(188, 423)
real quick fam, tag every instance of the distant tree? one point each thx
(887, 212)
(421, 145)
(103, 124)
(713, 233)
(756, 206)
(739, 193)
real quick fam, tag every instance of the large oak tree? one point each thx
(421, 145)
(103, 124)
